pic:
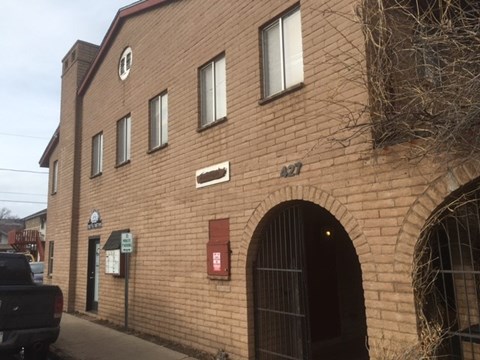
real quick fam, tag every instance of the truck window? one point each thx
(14, 271)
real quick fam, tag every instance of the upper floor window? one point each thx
(159, 121)
(123, 140)
(213, 91)
(125, 63)
(55, 177)
(97, 154)
(282, 54)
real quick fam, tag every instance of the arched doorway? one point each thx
(308, 294)
(450, 261)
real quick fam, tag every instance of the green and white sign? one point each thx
(126, 244)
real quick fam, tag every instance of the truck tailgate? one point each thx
(27, 306)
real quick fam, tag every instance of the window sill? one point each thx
(122, 164)
(212, 124)
(158, 148)
(280, 94)
(95, 175)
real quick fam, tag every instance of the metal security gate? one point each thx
(454, 244)
(280, 290)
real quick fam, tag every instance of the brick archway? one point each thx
(424, 207)
(266, 211)
(306, 193)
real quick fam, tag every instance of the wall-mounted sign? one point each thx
(218, 249)
(212, 175)
(95, 221)
(217, 261)
(126, 243)
(291, 170)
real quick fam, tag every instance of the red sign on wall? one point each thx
(218, 248)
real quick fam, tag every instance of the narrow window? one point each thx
(213, 91)
(159, 121)
(51, 248)
(123, 140)
(128, 61)
(55, 177)
(282, 54)
(97, 154)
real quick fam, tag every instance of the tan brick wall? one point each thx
(62, 204)
(371, 194)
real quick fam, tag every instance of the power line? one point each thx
(24, 136)
(24, 202)
(21, 193)
(24, 171)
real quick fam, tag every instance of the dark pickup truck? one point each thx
(29, 314)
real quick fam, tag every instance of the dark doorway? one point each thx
(93, 274)
(308, 288)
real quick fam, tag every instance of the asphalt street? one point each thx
(20, 357)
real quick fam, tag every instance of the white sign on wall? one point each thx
(112, 263)
(212, 175)
(126, 244)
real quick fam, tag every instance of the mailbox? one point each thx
(218, 249)
(115, 263)
(115, 260)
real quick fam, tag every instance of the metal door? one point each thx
(93, 274)
(280, 291)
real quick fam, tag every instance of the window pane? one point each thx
(207, 94)
(220, 89)
(128, 137)
(100, 153)
(122, 66)
(55, 177)
(164, 119)
(121, 141)
(272, 60)
(129, 61)
(154, 123)
(50, 257)
(97, 154)
(292, 35)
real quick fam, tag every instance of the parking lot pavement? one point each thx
(20, 357)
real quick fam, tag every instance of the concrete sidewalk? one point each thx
(81, 339)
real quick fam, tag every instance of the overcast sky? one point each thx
(34, 37)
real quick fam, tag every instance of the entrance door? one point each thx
(307, 288)
(93, 274)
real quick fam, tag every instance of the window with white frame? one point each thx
(159, 121)
(55, 177)
(51, 250)
(213, 91)
(123, 140)
(282, 54)
(97, 154)
(125, 63)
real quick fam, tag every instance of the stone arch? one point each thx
(306, 193)
(425, 206)
(262, 214)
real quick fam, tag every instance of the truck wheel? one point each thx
(36, 352)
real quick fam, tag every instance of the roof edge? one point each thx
(122, 14)
(34, 215)
(52, 144)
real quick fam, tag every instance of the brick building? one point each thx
(37, 224)
(203, 129)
